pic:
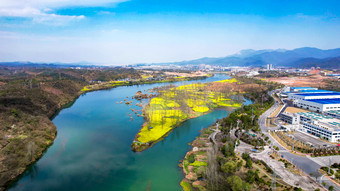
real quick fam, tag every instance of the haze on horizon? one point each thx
(117, 32)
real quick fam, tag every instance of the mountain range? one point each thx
(305, 57)
(299, 58)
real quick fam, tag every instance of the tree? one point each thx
(235, 183)
(249, 163)
(330, 188)
(250, 176)
(229, 167)
(31, 148)
(239, 165)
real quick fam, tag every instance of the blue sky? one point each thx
(118, 32)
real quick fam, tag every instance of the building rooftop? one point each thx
(325, 101)
(294, 110)
(319, 94)
(336, 112)
(297, 88)
(329, 121)
(316, 91)
(309, 91)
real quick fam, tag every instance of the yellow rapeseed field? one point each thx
(178, 104)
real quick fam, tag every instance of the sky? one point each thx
(120, 32)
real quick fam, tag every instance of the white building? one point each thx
(319, 125)
(319, 105)
(319, 102)
(290, 118)
(333, 113)
(299, 89)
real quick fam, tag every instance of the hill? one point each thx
(279, 57)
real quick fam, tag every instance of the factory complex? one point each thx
(314, 111)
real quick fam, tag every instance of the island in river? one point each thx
(174, 105)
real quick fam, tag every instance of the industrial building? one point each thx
(320, 125)
(319, 102)
(292, 90)
(298, 89)
(333, 113)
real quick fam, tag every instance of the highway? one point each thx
(305, 164)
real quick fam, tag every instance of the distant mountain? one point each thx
(279, 57)
(327, 63)
(45, 65)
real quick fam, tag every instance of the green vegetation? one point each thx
(173, 105)
(199, 163)
(186, 186)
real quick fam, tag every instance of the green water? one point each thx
(92, 149)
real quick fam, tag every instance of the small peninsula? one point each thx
(174, 105)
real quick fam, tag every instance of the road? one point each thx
(287, 176)
(305, 164)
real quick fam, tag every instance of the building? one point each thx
(333, 113)
(285, 93)
(297, 89)
(289, 115)
(270, 67)
(322, 126)
(319, 102)
(319, 105)
(290, 118)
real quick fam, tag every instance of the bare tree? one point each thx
(31, 148)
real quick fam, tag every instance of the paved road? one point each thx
(309, 139)
(304, 163)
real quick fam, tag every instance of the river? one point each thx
(92, 148)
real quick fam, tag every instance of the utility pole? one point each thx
(30, 83)
(262, 100)
(329, 166)
(273, 185)
(293, 143)
(252, 116)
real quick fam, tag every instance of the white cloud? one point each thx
(42, 10)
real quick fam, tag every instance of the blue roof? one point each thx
(316, 91)
(325, 101)
(297, 88)
(311, 91)
(320, 94)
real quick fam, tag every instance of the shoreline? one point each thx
(141, 148)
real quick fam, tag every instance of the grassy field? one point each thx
(174, 105)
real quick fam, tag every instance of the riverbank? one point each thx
(112, 84)
(174, 105)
